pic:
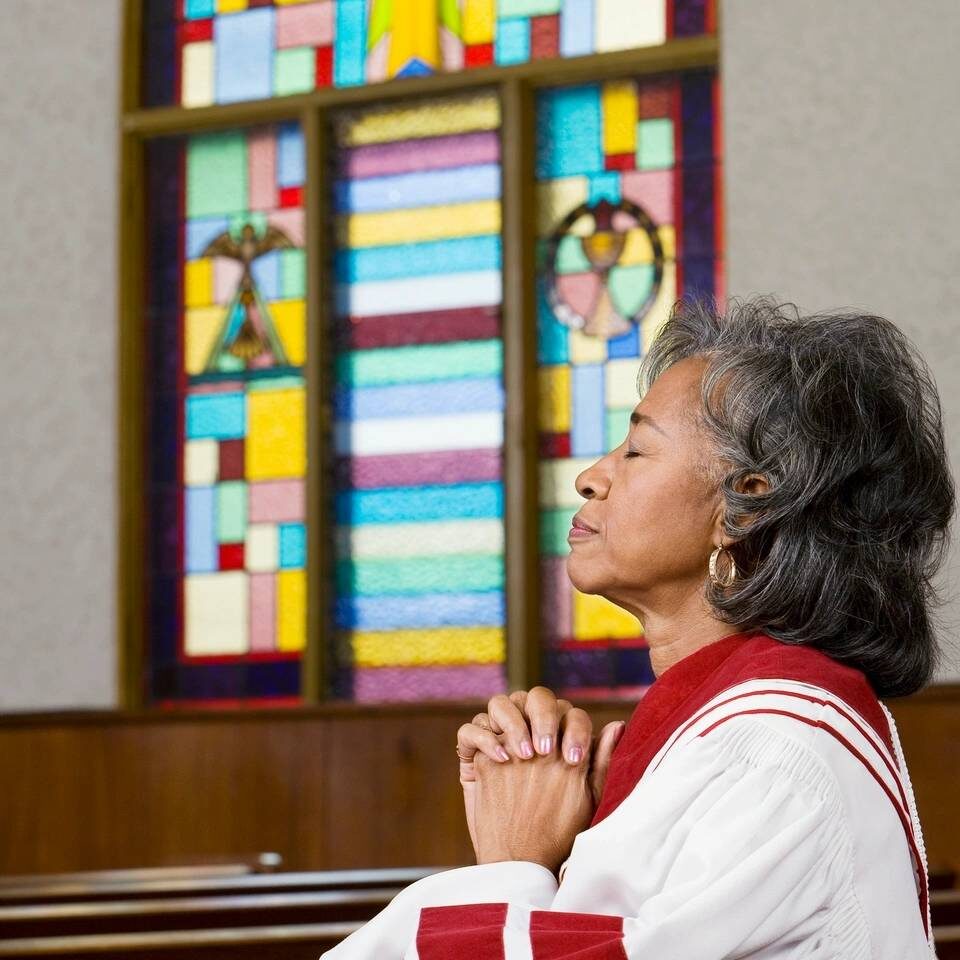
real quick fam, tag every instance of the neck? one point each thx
(672, 639)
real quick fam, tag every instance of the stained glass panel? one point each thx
(419, 402)
(226, 339)
(628, 206)
(200, 52)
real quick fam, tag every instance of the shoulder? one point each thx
(792, 666)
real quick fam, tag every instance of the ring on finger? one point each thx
(463, 759)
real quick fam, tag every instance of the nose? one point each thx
(594, 482)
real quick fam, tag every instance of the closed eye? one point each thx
(632, 453)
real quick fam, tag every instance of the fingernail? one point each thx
(502, 754)
(546, 745)
(526, 749)
(574, 754)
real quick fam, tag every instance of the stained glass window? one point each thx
(407, 370)
(202, 52)
(627, 196)
(419, 402)
(226, 338)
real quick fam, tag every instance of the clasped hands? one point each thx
(532, 773)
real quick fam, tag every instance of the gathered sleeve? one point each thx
(733, 844)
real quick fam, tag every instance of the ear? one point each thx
(753, 484)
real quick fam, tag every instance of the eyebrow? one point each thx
(636, 418)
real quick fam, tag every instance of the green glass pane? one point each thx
(294, 71)
(411, 575)
(617, 423)
(231, 511)
(216, 174)
(655, 144)
(554, 527)
(447, 361)
(293, 274)
(630, 287)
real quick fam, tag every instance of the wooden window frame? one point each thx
(517, 86)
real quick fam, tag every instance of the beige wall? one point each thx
(841, 159)
(58, 175)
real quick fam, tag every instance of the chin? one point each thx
(583, 574)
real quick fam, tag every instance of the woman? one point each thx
(773, 518)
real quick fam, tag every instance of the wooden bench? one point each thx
(69, 891)
(267, 862)
(945, 908)
(293, 942)
(192, 913)
(947, 940)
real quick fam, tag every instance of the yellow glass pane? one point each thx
(619, 106)
(291, 609)
(419, 224)
(597, 618)
(557, 198)
(198, 283)
(421, 120)
(660, 311)
(201, 326)
(290, 321)
(554, 406)
(394, 648)
(276, 434)
(479, 21)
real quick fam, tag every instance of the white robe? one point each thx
(775, 824)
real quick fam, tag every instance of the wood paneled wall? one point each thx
(327, 788)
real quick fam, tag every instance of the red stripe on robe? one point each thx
(450, 933)
(586, 936)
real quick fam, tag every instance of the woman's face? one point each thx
(655, 515)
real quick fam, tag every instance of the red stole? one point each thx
(696, 679)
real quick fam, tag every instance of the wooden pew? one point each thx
(69, 891)
(945, 908)
(293, 942)
(108, 878)
(947, 940)
(192, 913)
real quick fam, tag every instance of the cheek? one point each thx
(660, 514)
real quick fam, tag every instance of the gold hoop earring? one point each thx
(731, 571)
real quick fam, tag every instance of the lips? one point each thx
(578, 524)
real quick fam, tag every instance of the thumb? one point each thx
(609, 738)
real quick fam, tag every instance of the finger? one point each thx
(544, 718)
(609, 738)
(483, 720)
(519, 697)
(472, 739)
(505, 714)
(577, 731)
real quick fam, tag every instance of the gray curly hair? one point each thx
(840, 414)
